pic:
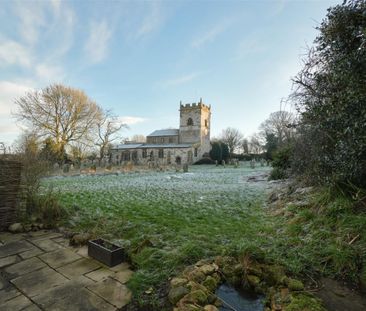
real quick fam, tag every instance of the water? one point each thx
(239, 300)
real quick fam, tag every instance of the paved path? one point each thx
(39, 271)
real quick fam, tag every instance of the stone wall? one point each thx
(170, 156)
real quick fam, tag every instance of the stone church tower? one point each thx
(194, 128)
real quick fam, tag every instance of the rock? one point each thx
(208, 269)
(16, 228)
(175, 282)
(210, 283)
(196, 276)
(295, 285)
(177, 293)
(204, 262)
(80, 239)
(210, 308)
(197, 297)
(253, 280)
(274, 274)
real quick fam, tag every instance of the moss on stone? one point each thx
(304, 302)
(295, 285)
(176, 293)
(197, 296)
(210, 283)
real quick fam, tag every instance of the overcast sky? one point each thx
(141, 58)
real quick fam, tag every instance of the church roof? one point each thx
(167, 132)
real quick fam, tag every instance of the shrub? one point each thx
(330, 95)
(204, 161)
(281, 163)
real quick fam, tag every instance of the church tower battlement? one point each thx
(195, 124)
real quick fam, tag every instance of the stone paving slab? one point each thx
(8, 293)
(32, 307)
(79, 267)
(62, 241)
(82, 251)
(13, 248)
(37, 282)
(16, 304)
(47, 274)
(47, 245)
(70, 297)
(7, 237)
(25, 266)
(47, 235)
(100, 274)
(123, 276)
(59, 258)
(35, 251)
(112, 291)
(6, 261)
(122, 266)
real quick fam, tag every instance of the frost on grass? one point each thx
(211, 206)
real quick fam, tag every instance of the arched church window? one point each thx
(206, 123)
(189, 121)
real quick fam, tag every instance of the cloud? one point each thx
(9, 91)
(210, 35)
(152, 21)
(32, 18)
(128, 120)
(180, 80)
(49, 73)
(13, 53)
(96, 47)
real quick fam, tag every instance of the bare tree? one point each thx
(279, 123)
(245, 145)
(108, 128)
(63, 113)
(232, 137)
(255, 144)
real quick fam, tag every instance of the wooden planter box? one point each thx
(106, 252)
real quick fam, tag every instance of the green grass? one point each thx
(168, 220)
(180, 217)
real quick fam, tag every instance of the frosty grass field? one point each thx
(168, 220)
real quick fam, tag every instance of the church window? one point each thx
(169, 160)
(162, 139)
(170, 140)
(189, 121)
(161, 153)
(144, 153)
(206, 123)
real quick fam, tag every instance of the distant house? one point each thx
(188, 144)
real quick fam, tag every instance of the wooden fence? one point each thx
(10, 180)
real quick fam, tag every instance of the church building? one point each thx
(188, 144)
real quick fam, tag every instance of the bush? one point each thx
(330, 95)
(204, 161)
(281, 163)
(48, 208)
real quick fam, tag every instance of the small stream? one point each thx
(239, 300)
